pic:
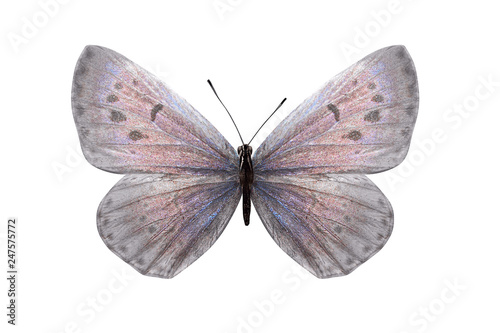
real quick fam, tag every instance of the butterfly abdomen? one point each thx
(246, 179)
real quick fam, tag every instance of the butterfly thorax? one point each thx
(246, 179)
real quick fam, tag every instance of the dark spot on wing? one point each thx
(378, 98)
(118, 85)
(347, 218)
(372, 86)
(355, 82)
(143, 218)
(88, 53)
(335, 111)
(80, 110)
(117, 116)
(318, 229)
(353, 135)
(157, 108)
(372, 116)
(85, 132)
(135, 82)
(405, 132)
(112, 98)
(349, 262)
(122, 249)
(366, 248)
(409, 110)
(412, 88)
(409, 70)
(337, 229)
(401, 53)
(140, 261)
(77, 89)
(380, 236)
(136, 135)
(151, 229)
(81, 70)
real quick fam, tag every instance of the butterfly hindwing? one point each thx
(359, 122)
(130, 122)
(329, 224)
(160, 224)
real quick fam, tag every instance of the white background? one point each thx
(438, 272)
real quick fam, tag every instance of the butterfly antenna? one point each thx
(283, 101)
(211, 86)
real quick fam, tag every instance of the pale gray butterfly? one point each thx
(184, 180)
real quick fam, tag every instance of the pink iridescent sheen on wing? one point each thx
(308, 189)
(160, 224)
(183, 184)
(359, 122)
(130, 122)
(329, 224)
(182, 187)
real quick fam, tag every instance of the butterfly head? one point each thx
(244, 150)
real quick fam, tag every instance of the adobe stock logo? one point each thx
(364, 35)
(453, 119)
(436, 308)
(263, 309)
(222, 7)
(96, 304)
(73, 159)
(33, 24)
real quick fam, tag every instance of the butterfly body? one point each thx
(246, 179)
(183, 180)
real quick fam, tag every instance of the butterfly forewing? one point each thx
(359, 122)
(130, 122)
(160, 224)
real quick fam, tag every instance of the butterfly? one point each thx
(184, 180)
